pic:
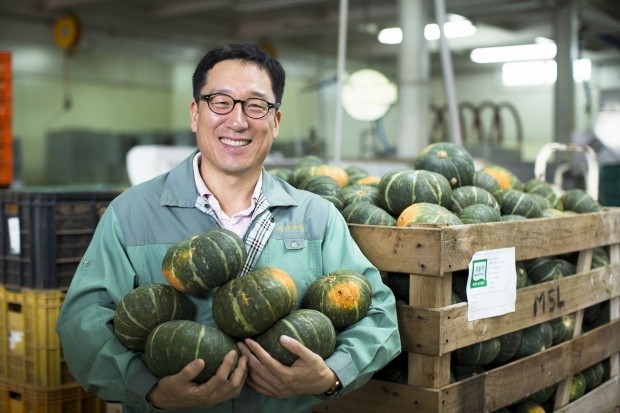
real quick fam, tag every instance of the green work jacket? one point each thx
(309, 239)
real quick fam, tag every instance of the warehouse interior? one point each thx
(95, 98)
(126, 79)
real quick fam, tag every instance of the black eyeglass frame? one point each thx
(207, 98)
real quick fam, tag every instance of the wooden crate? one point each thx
(431, 327)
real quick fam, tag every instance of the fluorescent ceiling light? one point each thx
(391, 35)
(456, 26)
(452, 29)
(541, 72)
(537, 51)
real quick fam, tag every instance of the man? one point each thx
(235, 116)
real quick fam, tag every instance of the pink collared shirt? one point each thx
(240, 221)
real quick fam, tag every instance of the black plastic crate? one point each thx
(44, 233)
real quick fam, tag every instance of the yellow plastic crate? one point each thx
(21, 398)
(30, 350)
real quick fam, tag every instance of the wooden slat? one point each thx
(604, 399)
(436, 331)
(432, 250)
(494, 389)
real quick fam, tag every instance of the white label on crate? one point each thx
(492, 283)
(15, 246)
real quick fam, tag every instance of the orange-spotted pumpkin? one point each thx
(504, 177)
(248, 305)
(344, 296)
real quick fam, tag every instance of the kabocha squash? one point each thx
(563, 328)
(371, 180)
(310, 327)
(593, 375)
(173, 344)
(504, 177)
(529, 406)
(545, 189)
(488, 183)
(426, 213)
(401, 188)
(479, 213)
(344, 296)
(481, 353)
(542, 395)
(515, 202)
(248, 305)
(532, 341)
(361, 193)
(367, 214)
(205, 261)
(339, 174)
(465, 196)
(326, 187)
(451, 160)
(355, 172)
(509, 345)
(579, 201)
(145, 307)
(543, 269)
(577, 387)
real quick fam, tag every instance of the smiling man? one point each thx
(235, 114)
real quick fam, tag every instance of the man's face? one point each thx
(234, 144)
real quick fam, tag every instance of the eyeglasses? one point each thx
(222, 104)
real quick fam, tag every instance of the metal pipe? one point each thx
(342, 53)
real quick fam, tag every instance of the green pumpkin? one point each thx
(426, 213)
(355, 173)
(600, 257)
(451, 160)
(479, 213)
(203, 262)
(402, 188)
(310, 327)
(544, 189)
(509, 345)
(529, 406)
(521, 274)
(173, 344)
(366, 213)
(465, 196)
(361, 193)
(489, 184)
(543, 395)
(344, 296)
(515, 202)
(543, 269)
(532, 341)
(145, 307)
(248, 305)
(480, 353)
(579, 201)
(326, 187)
(563, 328)
(594, 375)
(577, 387)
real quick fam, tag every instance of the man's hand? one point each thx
(178, 391)
(307, 375)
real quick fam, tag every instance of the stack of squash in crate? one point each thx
(43, 234)
(558, 351)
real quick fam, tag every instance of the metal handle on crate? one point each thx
(592, 172)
